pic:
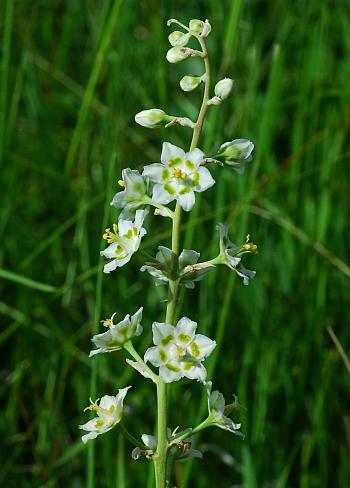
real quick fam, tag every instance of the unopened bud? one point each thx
(190, 82)
(177, 54)
(178, 38)
(196, 26)
(151, 118)
(223, 88)
(199, 27)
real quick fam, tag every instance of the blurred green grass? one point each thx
(73, 74)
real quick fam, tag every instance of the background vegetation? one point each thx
(73, 75)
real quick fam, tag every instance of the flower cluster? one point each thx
(178, 176)
(178, 351)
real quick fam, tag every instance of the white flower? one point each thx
(151, 118)
(231, 254)
(179, 176)
(124, 241)
(117, 334)
(109, 413)
(188, 270)
(133, 197)
(235, 154)
(178, 351)
(217, 410)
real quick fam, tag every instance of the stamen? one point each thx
(250, 246)
(121, 183)
(93, 406)
(108, 322)
(177, 173)
(110, 236)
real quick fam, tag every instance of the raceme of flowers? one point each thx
(178, 351)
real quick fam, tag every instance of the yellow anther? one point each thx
(177, 173)
(110, 236)
(250, 247)
(108, 322)
(121, 183)
(93, 405)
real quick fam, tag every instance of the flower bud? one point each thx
(179, 39)
(177, 54)
(199, 27)
(223, 88)
(151, 118)
(237, 150)
(190, 82)
(196, 26)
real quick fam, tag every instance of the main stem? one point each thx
(160, 456)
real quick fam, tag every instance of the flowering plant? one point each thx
(178, 351)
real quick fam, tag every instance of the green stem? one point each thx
(199, 124)
(128, 346)
(130, 437)
(165, 210)
(203, 425)
(160, 456)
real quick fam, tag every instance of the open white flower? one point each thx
(178, 351)
(217, 410)
(109, 413)
(179, 176)
(124, 241)
(134, 194)
(117, 334)
(231, 254)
